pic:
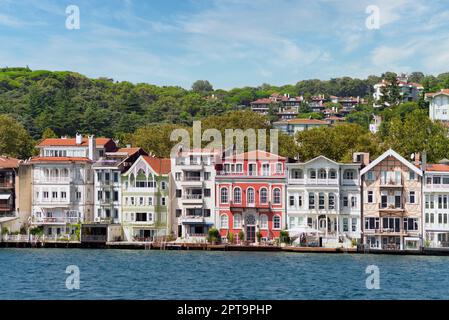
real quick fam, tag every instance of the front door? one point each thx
(251, 233)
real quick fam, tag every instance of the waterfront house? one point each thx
(145, 200)
(192, 182)
(107, 173)
(323, 198)
(391, 210)
(292, 126)
(8, 192)
(62, 182)
(438, 105)
(250, 193)
(436, 199)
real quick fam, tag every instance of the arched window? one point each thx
(65, 173)
(224, 195)
(321, 201)
(331, 201)
(224, 221)
(54, 173)
(263, 195)
(322, 174)
(47, 173)
(237, 221)
(277, 196)
(237, 195)
(332, 174)
(312, 174)
(266, 169)
(297, 174)
(276, 222)
(250, 195)
(263, 221)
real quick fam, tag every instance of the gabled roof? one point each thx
(130, 151)
(69, 142)
(8, 162)
(159, 165)
(391, 153)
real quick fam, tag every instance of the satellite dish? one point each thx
(412, 156)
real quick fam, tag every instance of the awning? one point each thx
(5, 196)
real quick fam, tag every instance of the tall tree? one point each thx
(14, 139)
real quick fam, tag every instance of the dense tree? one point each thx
(417, 133)
(337, 143)
(202, 86)
(14, 139)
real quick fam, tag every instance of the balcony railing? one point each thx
(193, 197)
(391, 182)
(192, 178)
(6, 185)
(93, 238)
(56, 219)
(390, 206)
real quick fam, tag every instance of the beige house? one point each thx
(391, 203)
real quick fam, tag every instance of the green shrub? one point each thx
(284, 237)
(213, 235)
(231, 237)
(241, 235)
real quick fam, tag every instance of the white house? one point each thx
(323, 197)
(192, 193)
(438, 105)
(62, 182)
(436, 198)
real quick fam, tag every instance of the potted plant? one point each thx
(241, 236)
(284, 237)
(213, 235)
(259, 236)
(230, 237)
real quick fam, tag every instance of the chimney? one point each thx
(78, 138)
(91, 147)
(361, 157)
(417, 159)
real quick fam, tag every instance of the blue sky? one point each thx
(231, 43)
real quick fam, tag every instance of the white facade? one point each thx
(63, 183)
(439, 105)
(324, 195)
(62, 194)
(108, 194)
(193, 193)
(436, 208)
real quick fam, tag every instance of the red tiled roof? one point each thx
(442, 91)
(159, 165)
(304, 121)
(59, 159)
(263, 101)
(8, 162)
(72, 142)
(129, 151)
(437, 167)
